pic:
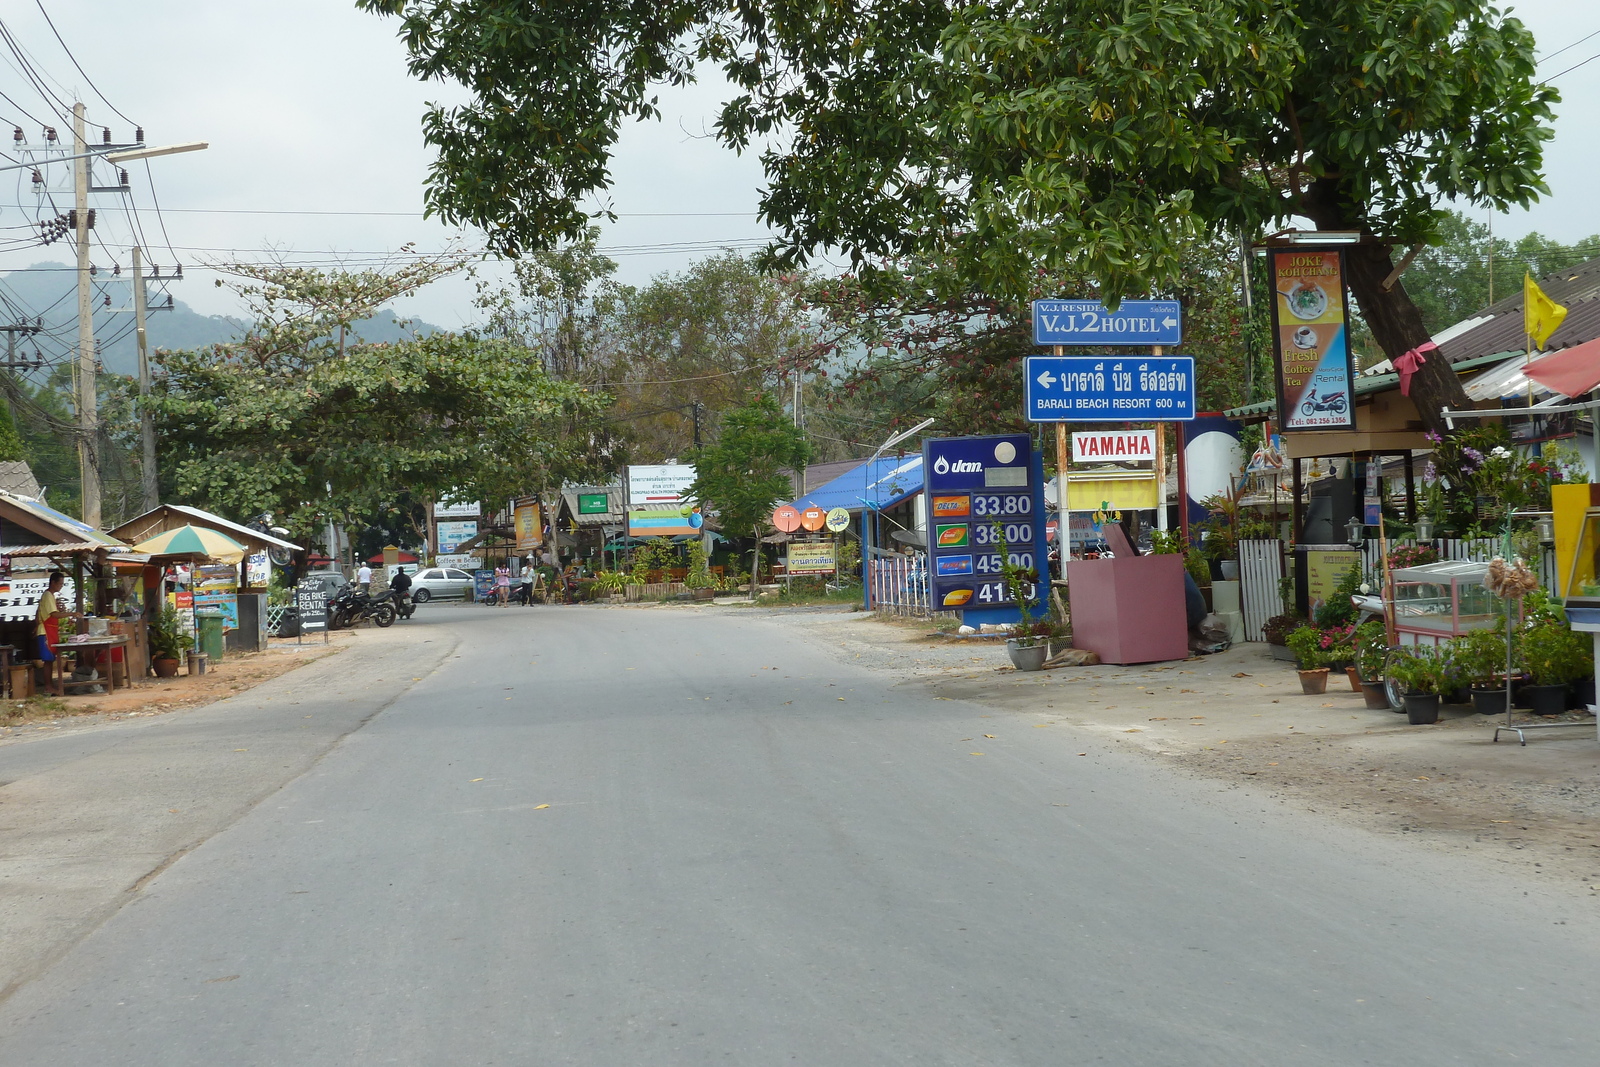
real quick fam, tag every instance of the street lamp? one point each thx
(150, 153)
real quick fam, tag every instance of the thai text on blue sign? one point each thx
(1089, 322)
(1109, 388)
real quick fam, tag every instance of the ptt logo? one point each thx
(960, 466)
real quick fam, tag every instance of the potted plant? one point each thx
(1370, 643)
(1338, 648)
(1416, 668)
(1554, 657)
(1276, 631)
(699, 580)
(1480, 658)
(167, 641)
(1310, 659)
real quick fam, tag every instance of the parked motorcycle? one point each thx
(399, 599)
(353, 605)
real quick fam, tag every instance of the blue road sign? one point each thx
(1089, 322)
(1109, 388)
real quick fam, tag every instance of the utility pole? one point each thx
(88, 428)
(151, 490)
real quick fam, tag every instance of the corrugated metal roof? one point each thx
(882, 483)
(1576, 288)
(615, 503)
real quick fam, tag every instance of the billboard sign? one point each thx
(1089, 322)
(593, 504)
(1114, 446)
(661, 483)
(529, 526)
(815, 558)
(1310, 340)
(453, 534)
(1108, 388)
(451, 508)
(986, 509)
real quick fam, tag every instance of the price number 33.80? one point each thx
(998, 506)
(1015, 533)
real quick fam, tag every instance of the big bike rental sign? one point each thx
(985, 509)
(1310, 340)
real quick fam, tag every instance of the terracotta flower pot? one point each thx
(1376, 696)
(1314, 682)
(165, 668)
(1355, 679)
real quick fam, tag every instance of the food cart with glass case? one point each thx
(1437, 601)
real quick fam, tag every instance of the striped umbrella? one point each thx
(193, 541)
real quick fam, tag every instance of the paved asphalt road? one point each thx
(613, 837)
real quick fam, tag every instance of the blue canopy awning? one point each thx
(878, 484)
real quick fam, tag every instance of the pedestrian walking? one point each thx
(364, 578)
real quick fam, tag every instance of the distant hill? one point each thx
(49, 290)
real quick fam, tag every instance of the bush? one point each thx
(1306, 644)
(1554, 655)
(1417, 668)
(1371, 644)
(1278, 628)
(1337, 610)
(1479, 656)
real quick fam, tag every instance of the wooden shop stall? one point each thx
(236, 586)
(102, 582)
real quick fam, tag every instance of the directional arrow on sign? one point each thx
(1046, 379)
(1169, 322)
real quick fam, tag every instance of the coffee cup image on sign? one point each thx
(1305, 337)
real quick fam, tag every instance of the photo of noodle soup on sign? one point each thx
(1307, 301)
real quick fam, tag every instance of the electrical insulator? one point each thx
(155, 270)
(169, 300)
(138, 135)
(50, 134)
(38, 179)
(180, 270)
(72, 219)
(108, 300)
(105, 135)
(93, 270)
(16, 134)
(116, 269)
(124, 175)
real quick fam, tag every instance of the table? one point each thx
(58, 680)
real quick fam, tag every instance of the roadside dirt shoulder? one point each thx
(1241, 718)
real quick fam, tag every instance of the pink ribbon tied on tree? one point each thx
(1409, 362)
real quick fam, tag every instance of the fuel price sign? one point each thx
(984, 512)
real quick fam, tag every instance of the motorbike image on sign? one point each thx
(1334, 402)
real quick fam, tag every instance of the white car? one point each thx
(440, 583)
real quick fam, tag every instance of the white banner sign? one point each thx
(455, 510)
(19, 598)
(1110, 446)
(461, 563)
(660, 484)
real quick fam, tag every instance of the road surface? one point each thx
(615, 837)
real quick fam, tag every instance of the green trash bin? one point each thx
(210, 621)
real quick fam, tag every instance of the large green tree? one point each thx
(1014, 137)
(743, 475)
(298, 420)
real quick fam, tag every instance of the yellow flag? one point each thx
(1541, 316)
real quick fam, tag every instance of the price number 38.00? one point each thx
(988, 533)
(999, 506)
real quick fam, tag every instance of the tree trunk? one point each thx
(755, 564)
(1394, 320)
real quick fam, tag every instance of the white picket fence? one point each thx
(899, 584)
(1260, 568)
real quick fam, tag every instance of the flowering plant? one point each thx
(1412, 556)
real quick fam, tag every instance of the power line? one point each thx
(86, 78)
(1564, 48)
(1574, 67)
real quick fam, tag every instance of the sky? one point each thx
(316, 152)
